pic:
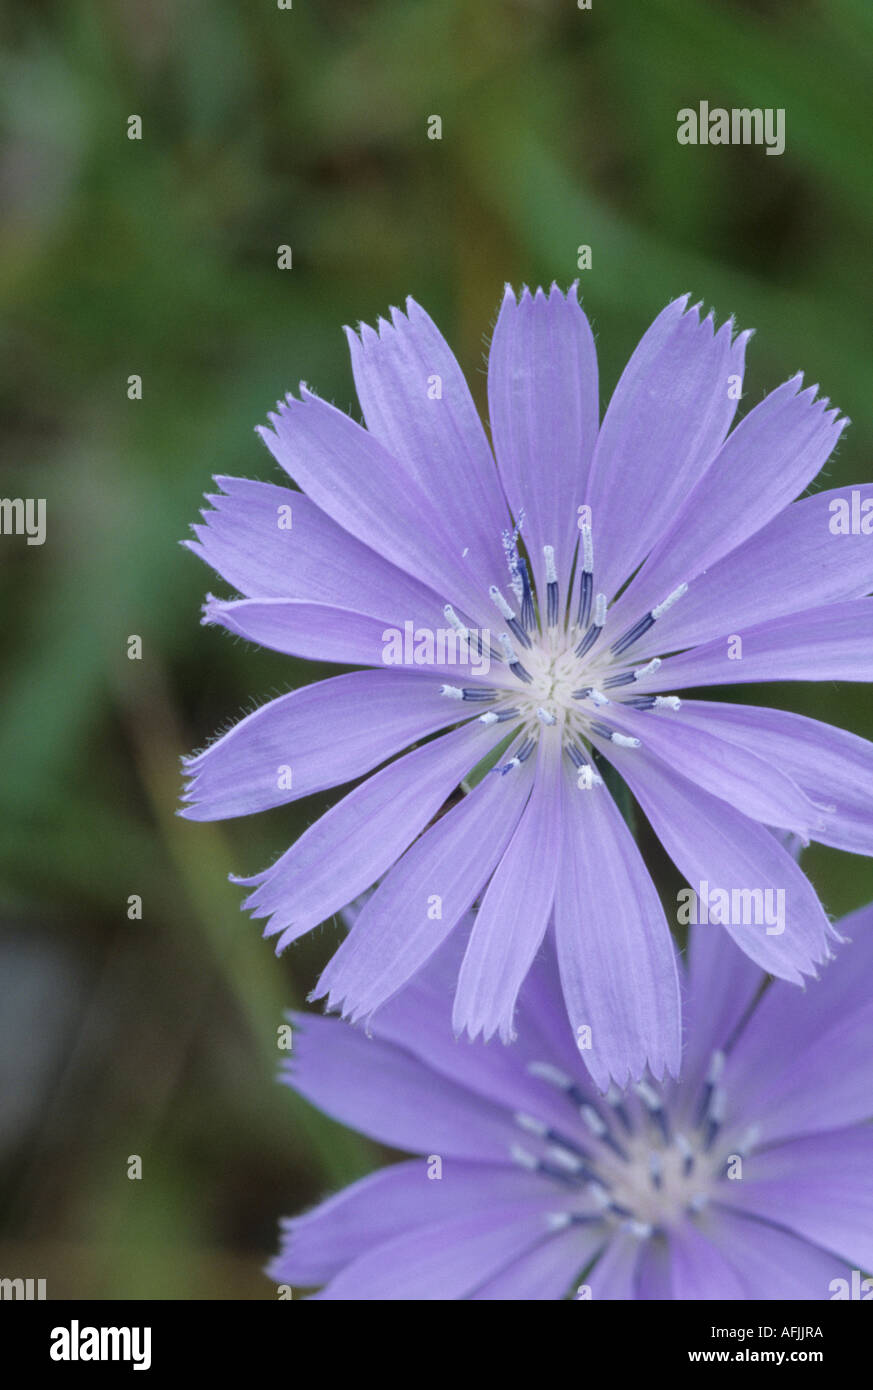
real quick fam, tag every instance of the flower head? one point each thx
(747, 1179)
(542, 604)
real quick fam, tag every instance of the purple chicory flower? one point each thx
(749, 1178)
(589, 549)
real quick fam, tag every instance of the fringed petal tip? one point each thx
(288, 404)
(209, 609)
(249, 882)
(341, 1006)
(611, 1076)
(525, 296)
(483, 1031)
(273, 1270)
(365, 337)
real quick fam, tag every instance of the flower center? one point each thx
(554, 669)
(631, 1167)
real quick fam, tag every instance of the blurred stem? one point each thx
(244, 966)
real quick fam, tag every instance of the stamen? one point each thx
(516, 582)
(654, 702)
(588, 778)
(714, 1071)
(615, 1101)
(544, 1071)
(600, 1129)
(621, 740)
(599, 1196)
(591, 693)
(468, 692)
(545, 716)
(510, 656)
(655, 1106)
(550, 1170)
(617, 1210)
(515, 627)
(528, 614)
(506, 611)
(452, 617)
(572, 1163)
(635, 632)
(748, 1139)
(499, 716)
(519, 579)
(596, 627)
(510, 543)
(531, 1123)
(523, 753)
(660, 609)
(656, 1170)
(715, 1117)
(551, 586)
(565, 1159)
(687, 1153)
(586, 578)
(558, 1220)
(648, 670)
(562, 1150)
(500, 603)
(524, 1158)
(593, 1121)
(641, 1229)
(639, 674)
(716, 1066)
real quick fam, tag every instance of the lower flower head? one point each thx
(746, 1179)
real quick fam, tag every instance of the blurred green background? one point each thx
(306, 127)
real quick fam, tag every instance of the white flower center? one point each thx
(554, 669)
(631, 1168)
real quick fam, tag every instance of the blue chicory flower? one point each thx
(550, 591)
(749, 1178)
